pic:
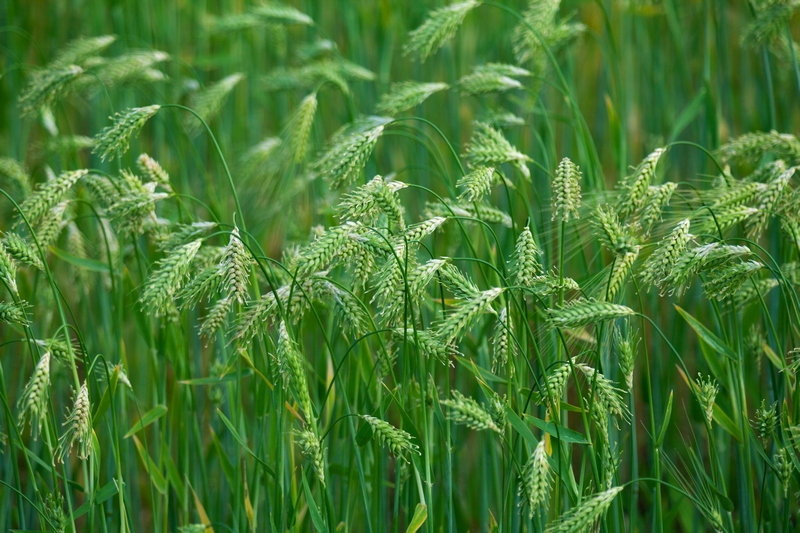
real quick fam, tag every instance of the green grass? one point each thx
(331, 267)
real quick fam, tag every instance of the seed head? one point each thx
(33, 401)
(117, 136)
(78, 428)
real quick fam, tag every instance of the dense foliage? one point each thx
(368, 266)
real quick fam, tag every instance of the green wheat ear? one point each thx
(441, 26)
(349, 150)
(117, 136)
(208, 102)
(297, 131)
(47, 86)
(77, 51)
(586, 514)
(405, 95)
(396, 440)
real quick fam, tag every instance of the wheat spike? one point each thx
(150, 168)
(526, 266)
(578, 313)
(658, 197)
(769, 200)
(78, 428)
(312, 450)
(208, 102)
(164, 283)
(50, 194)
(118, 135)
(485, 79)
(350, 148)
(658, 266)
(17, 174)
(290, 362)
(405, 95)
(21, 251)
(78, 50)
(235, 268)
(457, 322)
(47, 86)
(586, 514)
(749, 148)
(440, 26)
(503, 347)
(32, 402)
(566, 196)
(488, 147)
(534, 483)
(727, 280)
(615, 236)
(467, 411)
(396, 440)
(627, 348)
(634, 188)
(766, 420)
(298, 130)
(605, 391)
(476, 184)
(707, 389)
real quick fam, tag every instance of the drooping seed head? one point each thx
(33, 401)
(117, 136)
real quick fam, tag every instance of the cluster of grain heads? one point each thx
(440, 26)
(581, 312)
(534, 482)
(78, 428)
(32, 403)
(117, 136)
(14, 313)
(153, 171)
(467, 411)
(583, 516)
(605, 391)
(397, 441)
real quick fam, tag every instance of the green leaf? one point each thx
(689, 113)
(151, 468)
(521, 427)
(215, 380)
(105, 401)
(420, 515)
(364, 434)
(726, 423)
(149, 417)
(665, 424)
(243, 444)
(313, 510)
(479, 371)
(88, 264)
(227, 466)
(100, 496)
(706, 334)
(558, 431)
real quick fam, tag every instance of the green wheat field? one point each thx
(399, 266)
